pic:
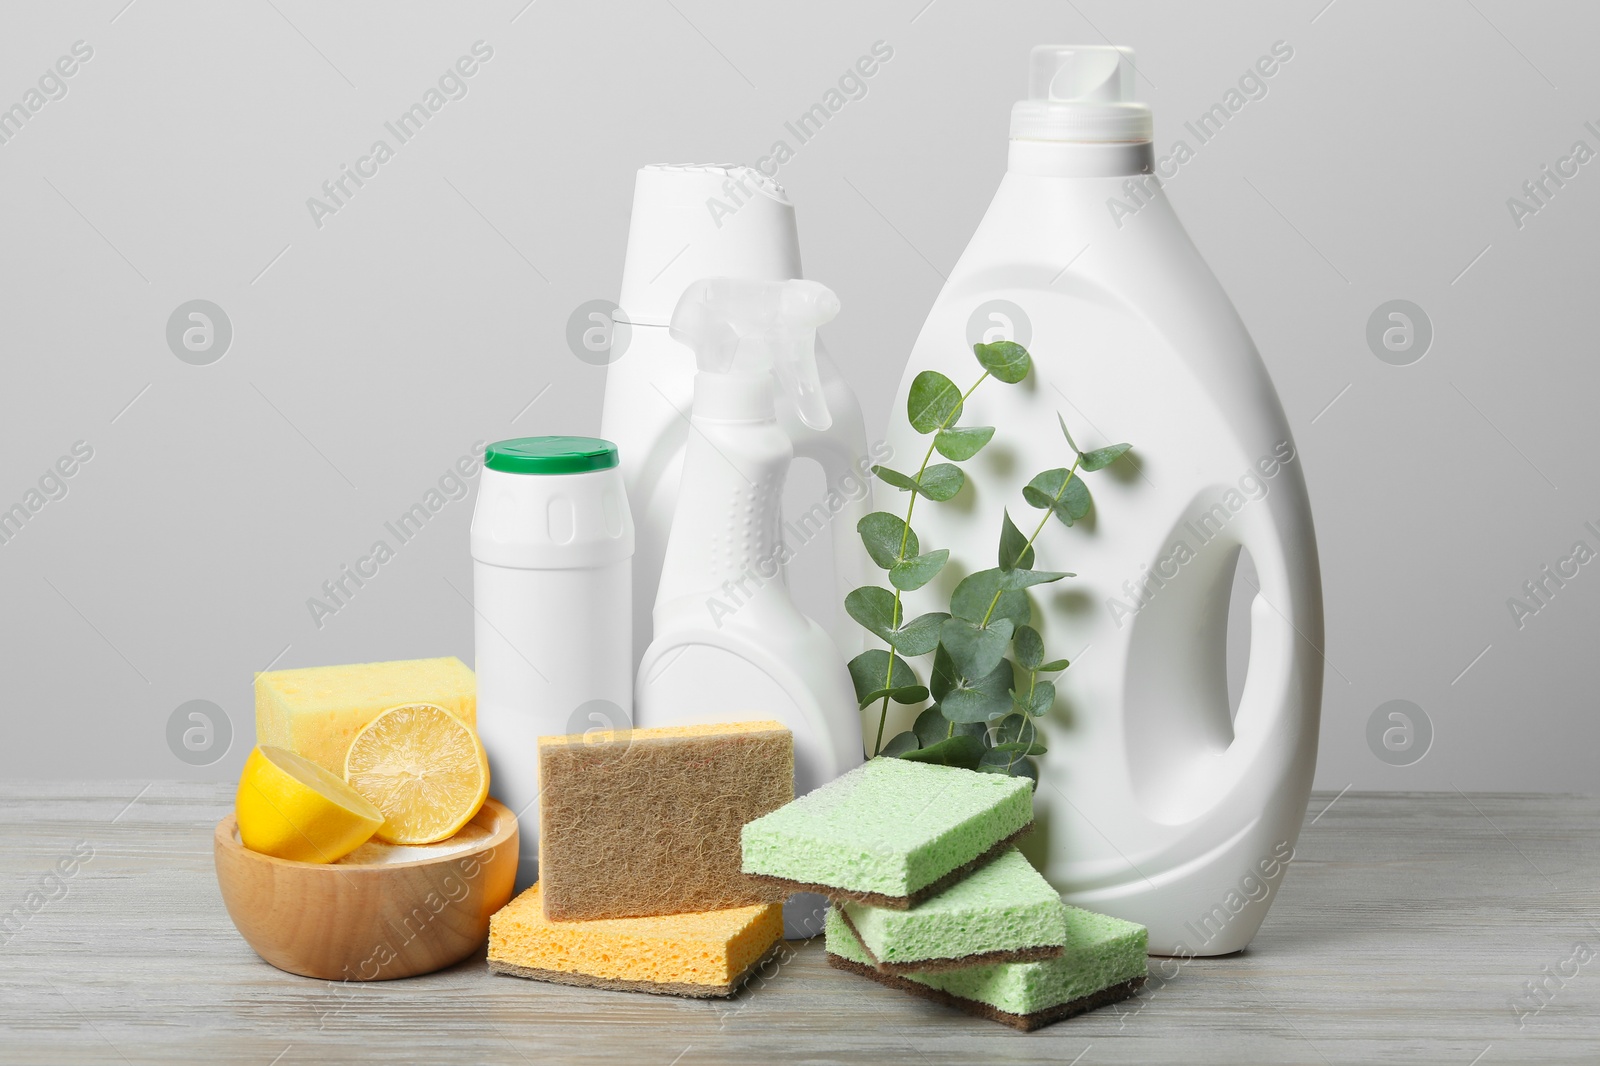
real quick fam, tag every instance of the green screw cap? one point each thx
(550, 455)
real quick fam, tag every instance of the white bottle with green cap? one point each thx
(552, 550)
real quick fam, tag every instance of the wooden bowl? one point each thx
(371, 922)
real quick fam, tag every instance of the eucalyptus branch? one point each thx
(1055, 499)
(911, 507)
(982, 715)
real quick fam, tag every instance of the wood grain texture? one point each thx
(1407, 927)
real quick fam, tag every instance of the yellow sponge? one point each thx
(709, 953)
(317, 711)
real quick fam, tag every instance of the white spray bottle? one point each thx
(1155, 804)
(703, 220)
(730, 645)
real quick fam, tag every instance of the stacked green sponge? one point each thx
(930, 897)
(889, 833)
(1002, 912)
(1103, 961)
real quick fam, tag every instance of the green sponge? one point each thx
(1003, 912)
(889, 833)
(1103, 962)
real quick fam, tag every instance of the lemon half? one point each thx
(291, 808)
(424, 768)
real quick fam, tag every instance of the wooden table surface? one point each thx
(1409, 929)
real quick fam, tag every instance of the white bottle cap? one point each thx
(1080, 93)
(703, 220)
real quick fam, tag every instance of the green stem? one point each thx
(944, 424)
(1036, 531)
(905, 538)
(1033, 681)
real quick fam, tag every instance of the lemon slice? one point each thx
(424, 768)
(291, 808)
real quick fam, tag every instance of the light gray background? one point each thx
(369, 354)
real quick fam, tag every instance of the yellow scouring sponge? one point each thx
(701, 954)
(317, 711)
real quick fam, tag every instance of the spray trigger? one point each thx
(750, 328)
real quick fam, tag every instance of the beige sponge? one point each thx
(646, 822)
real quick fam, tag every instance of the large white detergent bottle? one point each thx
(718, 655)
(694, 221)
(1155, 804)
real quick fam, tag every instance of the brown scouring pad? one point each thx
(646, 822)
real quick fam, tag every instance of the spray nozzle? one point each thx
(750, 328)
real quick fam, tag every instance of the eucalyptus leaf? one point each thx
(1060, 492)
(941, 481)
(884, 535)
(1021, 579)
(934, 403)
(1076, 498)
(874, 678)
(995, 762)
(959, 444)
(915, 573)
(1006, 360)
(875, 610)
(918, 636)
(899, 744)
(1016, 733)
(975, 651)
(1037, 702)
(932, 726)
(972, 705)
(963, 751)
(1027, 642)
(1101, 458)
(944, 678)
(972, 598)
(983, 700)
(1070, 442)
(1015, 550)
(890, 476)
(1053, 666)
(938, 483)
(998, 760)
(1041, 492)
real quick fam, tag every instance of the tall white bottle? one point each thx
(694, 221)
(728, 649)
(1154, 805)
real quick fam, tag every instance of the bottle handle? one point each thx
(1284, 662)
(841, 451)
(1188, 761)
